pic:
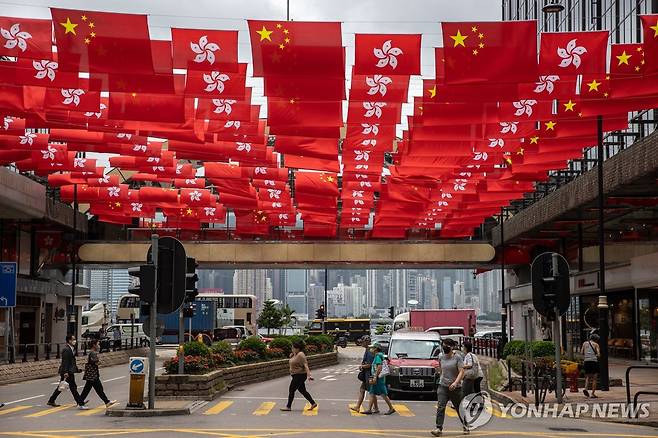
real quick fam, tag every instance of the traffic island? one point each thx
(163, 408)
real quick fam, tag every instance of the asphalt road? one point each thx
(253, 411)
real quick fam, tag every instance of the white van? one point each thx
(136, 331)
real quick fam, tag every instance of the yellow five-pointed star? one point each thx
(594, 86)
(69, 27)
(265, 34)
(534, 140)
(520, 151)
(655, 29)
(550, 126)
(623, 58)
(330, 178)
(569, 105)
(432, 92)
(459, 39)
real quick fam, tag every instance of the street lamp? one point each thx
(552, 6)
(603, 341)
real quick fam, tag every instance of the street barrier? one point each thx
(639, 393)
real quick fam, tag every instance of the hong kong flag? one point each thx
(387, 54)
(493, 51)
(25, 38)
(572, 53)
(650, 31)
(202, 49)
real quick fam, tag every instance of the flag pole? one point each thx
(603, 308)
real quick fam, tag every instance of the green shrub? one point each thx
(282, 343)
(297, 338)
(542, 348)
(223, 348)
(321, 342)
(275, 353)
(253, 343)
(195, 349)
(513, 348)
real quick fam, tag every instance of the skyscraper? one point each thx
(108, 285)
(251, 282)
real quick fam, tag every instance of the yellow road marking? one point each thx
(93, 411)
(312, 413)
(264, 408)
(403, 410)
(48, 411)
(14, 409)
(450, 412)
(355, 414)
(218, 408)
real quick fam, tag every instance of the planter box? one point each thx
(212, 385)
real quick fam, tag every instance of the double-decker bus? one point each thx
(128, 306)
(342, 326)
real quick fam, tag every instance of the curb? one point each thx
(147, 412)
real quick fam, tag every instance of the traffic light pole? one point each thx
(326, 305)
(153, 315)
(557, 337)
(181, 340)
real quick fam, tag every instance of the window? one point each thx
(414, 349)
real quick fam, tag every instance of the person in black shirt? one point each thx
(364, 374)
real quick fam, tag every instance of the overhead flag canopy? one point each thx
(157, 133)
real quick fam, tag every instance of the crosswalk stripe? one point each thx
(93, 411)
(264, 408)
(218, 408)
(14, 409)
(48, 411)
(496, 411)
(355, 414)
(403, 410)
(450, 412)
(312, 413)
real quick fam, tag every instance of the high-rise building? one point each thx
(447, 294)
(251, 282)
(108, 285)
(459, 295)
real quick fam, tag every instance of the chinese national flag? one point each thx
(297, 48)
(387, 54)
(650, 31)
(293, 112)
(493, 51)
(102, 42)
(147, 107)
(572, 53)
(202, 49)
(626, 60)
(317, 183)
(25, 38)
(324, 148)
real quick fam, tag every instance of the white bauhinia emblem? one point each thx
(358, 202)
(571, 54)
(270, 182)
(15, 38)
(232, 124)
(179, 169)
(507, 127)
(365, 184)
(480, 156)
(223, 106)
(370, 128)
(362, 166)
(373, 109)
(261, 170)
(72, 96)
(357, 193)
(277, 205)
(98, 114)
(496, 142)
(447, 195)
(369, 143)
(356, 210)
(442, 203)
(378, 84)
(524, 107)
(205, 51)
(356, 219)
(190, 181)
(215, 81)
(243, 146)
(6, 121)
(104, 180)
(274, 194)
(139, 147)
(79, 162)
(387, 55)
(28, 138)
(465, 174)
(113, 191)
(137, 206)
(361, 155)
(153, 160)
(361, 176)
(209, 211)
(49, 153)
(158, 169)
(45, 68)
(195, 196)
(460, 184)
(546, 83)
(283, 216)
(124, 135)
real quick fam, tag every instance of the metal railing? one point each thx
(482, 346)
(633, 412)
(53, 350)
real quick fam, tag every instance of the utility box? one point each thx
(137, 367)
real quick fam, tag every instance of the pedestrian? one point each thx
(67, 370)
(364, 374)
(451, 366)
(472, 371)
(377, 383)
(300, 372)
(92, 376)
(592, 352)
(116, 336)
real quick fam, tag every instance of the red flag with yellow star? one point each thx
(317, 183)
(650, 32)
(102, 42)
(626, 60)
(490, 51)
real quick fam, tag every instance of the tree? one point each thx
(270, 317)
(287, 318)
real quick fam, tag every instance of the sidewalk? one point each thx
(640, 380)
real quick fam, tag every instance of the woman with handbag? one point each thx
(472, 371)
(92, 376)
(364, 374)
(379, 371)
(299, 371)
(592, 351)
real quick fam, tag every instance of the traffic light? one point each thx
(391, 312)
(144, 283)
(188, 310)
(191, 278)
(320, 312)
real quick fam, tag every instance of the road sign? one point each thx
(137, 365)
(172, 266)
(8, 284)
(550, 284)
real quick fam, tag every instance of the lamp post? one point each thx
(603, 342)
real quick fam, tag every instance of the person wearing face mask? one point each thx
(67, 370)
(451, 366)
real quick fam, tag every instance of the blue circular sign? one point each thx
(137, 366)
